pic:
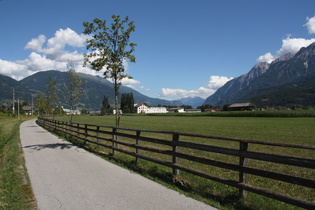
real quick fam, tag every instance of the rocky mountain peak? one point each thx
(306, 53)
(284, 57)
(262, 77)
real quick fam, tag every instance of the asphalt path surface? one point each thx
(64, 176)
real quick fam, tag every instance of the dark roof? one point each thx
(140, 104)
(27, 108)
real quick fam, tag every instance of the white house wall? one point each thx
(147, 110)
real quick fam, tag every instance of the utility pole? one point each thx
(18, 108)
(13, 110)
(32, 105)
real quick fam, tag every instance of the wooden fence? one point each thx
(181, 152)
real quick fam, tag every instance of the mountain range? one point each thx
(95, 88)
(288, 80)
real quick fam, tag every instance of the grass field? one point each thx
(15, 189)
(285, 130)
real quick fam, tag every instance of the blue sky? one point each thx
(186, 48)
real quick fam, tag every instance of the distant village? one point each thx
(143, 108)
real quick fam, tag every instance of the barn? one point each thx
(242, 107)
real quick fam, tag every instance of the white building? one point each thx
(176, 110)
(74, 112)
(146, 109)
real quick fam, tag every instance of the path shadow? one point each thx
(41, 131)
(39, 147)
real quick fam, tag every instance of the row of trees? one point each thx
(47, 103)
(126, 104)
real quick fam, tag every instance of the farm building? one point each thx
(176, 110)
(242, 107)
(146, 109)
(27, 110)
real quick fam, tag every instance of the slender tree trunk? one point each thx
(71, 113)
(115, 145)
(116, 103)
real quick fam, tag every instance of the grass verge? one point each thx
(15, 188)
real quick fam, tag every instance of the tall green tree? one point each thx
(72, 87)
(127, 103)
(42, 105)
(51, 93)
(105, 109)
(110, 47)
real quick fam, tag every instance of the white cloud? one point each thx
(49, 54)
(289, 45)
(215, 82)
(37, 62)
(36, 43)
(55, 46)
(310, 25)
(293, 45)
(84, 70)
(181, 93)
(73, 56)
(14, 70)
(268, 57)
(130, 83)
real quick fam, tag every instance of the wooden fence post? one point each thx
(85, 133)
(97, 133)
(71, 128)
(175, 149)
(67, 128)
(64, 128)
(137, 149)
(114, 139)
(78, 130)
(243, 163)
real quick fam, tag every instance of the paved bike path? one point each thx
(64, 176)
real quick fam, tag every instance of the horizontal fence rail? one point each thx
(180, 146)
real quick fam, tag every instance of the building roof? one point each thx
(140, 104)
(27, 108)
(175, 108)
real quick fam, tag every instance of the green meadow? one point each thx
(294, 130)
(286, 130)
(15, 188)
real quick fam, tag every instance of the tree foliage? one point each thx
(207, 106)
(72, 87)
(42, 105)
(51, 93)
(127, 103)
(109, 49)
(105, 109)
